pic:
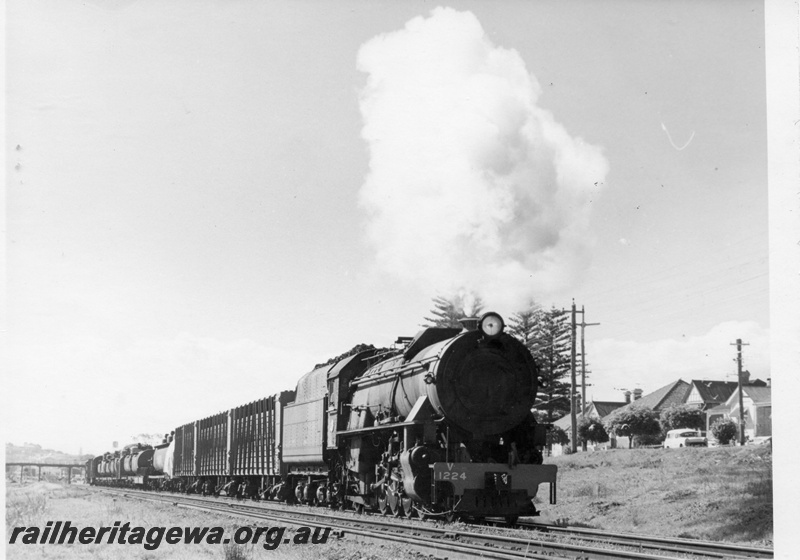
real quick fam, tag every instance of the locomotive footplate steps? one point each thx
(494, 487)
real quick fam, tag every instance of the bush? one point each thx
(556, 435)
(591, 429)
(634, 422)
(725, 430)
(681, 416)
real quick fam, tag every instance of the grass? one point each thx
(36, 504)
(722, 493)
(713, 494)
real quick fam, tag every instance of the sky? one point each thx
(205, 199)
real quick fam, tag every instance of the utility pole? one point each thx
(739, 345)
(584, 324)
(572, 395)
(574, 374)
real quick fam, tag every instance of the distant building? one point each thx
(707, 395)
(669, 395)
(595, 409)
(757, 401)
(717, 399)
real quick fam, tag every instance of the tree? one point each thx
(635, 422)
(523, 324)
(556, 435)
(592, 429)
(549, 342)
(681, 416)
(447, 312)
(725, 430)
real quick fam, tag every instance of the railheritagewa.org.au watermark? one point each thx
(63, 532)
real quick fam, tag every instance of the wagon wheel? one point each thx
(408, 507)
(511, 519)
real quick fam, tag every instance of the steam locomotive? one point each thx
(440, 426)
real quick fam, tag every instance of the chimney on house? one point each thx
(745, 377)
(769, 382)
(637, 394)
(627, 397)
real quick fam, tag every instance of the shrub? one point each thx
(635, 422)
(556, 435)
(681, 416)
(725, 430)
(592, 429)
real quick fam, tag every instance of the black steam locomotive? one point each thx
(440, 427)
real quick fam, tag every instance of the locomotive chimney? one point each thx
(627, 397)
(469, 323)
(637, 394)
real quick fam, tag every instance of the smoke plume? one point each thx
(472, 186)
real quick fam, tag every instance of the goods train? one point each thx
(439, 426)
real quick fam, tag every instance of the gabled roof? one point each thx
(604, 408)
(565, 423)
(760, 395)
(719, 409)
(714, 391)
(668, 395)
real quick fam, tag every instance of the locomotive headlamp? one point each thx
(491, 324)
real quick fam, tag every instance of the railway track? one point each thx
(449, 541)
(671, 544)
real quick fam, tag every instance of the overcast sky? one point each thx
(207, 198)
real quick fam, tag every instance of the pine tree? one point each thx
(447, 312)
(523, 324)
(550, 346)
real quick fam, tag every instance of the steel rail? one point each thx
(425, 536)
(675, 544)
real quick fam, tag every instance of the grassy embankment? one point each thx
(718, 493)
(715, 494)
(35, 504)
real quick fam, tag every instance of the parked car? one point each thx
(684, 438)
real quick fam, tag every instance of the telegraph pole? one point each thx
(584, 324)
(739, 345)
(572, 395)
(574, 374)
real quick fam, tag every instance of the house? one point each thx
(757, 403)
(595, 409)
(707, 395)
(669, 395)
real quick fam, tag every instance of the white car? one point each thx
(684, 438)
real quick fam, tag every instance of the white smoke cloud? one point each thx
(472, 186)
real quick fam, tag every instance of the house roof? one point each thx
(760, 395)
(668, 395)
(720, 409)
(565, 423)
(714, 391)
(604, 408)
